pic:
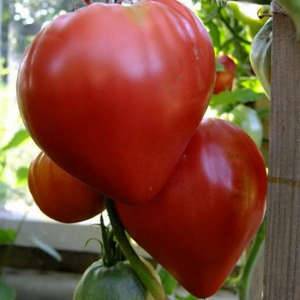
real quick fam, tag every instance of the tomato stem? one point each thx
(143, 270)
(254, 253)
(111, 251)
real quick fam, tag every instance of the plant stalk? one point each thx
(254, 253)
(148, 278)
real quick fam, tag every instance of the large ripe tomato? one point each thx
(114, 93)
(59, 195)
(212, 205)
(225, 78)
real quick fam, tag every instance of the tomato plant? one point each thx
(117, 110)
(110, 277)
(208, 212)
(59, 195)
(114, 95)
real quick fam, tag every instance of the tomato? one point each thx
(114, 93)
(212, 205)
(116, 282)
(59, 195)
(225, 78)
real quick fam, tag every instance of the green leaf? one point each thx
(214, 33)
(7, 236)
(6, 292)
(18, 138)
(22, 174)
(235, 97)
(47, 248)
(168, 281)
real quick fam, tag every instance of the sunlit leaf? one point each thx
(18, 138)
(22, 174)
(235, 97)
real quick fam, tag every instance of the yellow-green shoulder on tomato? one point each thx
(247, 119)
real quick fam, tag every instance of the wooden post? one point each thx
(282, 255)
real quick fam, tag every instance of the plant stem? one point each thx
(232, 30)
(254, 253)
(151, 283)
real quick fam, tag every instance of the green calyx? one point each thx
(260, 56)
(111, 251)
(292, 8)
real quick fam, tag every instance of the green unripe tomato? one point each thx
(118, 282)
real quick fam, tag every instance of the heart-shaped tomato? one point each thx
(212, 205)
(114, 93)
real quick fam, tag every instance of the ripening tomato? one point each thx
(114, 93)
(225, 78)
(59, 195)
(212, 205)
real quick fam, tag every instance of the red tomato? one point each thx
(212, 205)
(59, 195)
(114, 93)
(224, 79)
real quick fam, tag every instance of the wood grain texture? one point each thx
(282, 256)
(32, 258)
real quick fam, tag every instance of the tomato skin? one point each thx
(224, 79)
(113, 94)
(59, 195)
(199, 224)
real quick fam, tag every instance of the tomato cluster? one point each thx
(114, 95)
